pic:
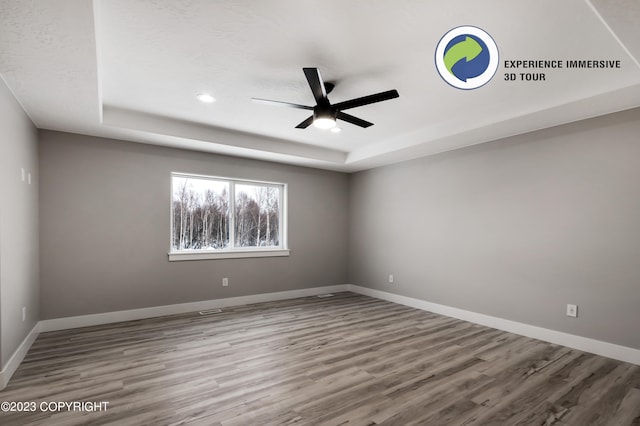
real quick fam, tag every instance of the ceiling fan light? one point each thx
(324, 123)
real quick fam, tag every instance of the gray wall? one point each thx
(18, 225)
(104, 230)
(515, 228)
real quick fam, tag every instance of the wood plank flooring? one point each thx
(342, 360)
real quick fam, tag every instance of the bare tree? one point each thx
(182, 201)
(201, 215)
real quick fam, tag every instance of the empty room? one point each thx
(363, 212)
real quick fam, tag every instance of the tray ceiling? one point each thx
(132, 69)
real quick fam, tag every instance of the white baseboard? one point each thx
(610, 350)
(156, 311)
(14, 362)
(181, 308)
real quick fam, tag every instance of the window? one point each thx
(214, 217)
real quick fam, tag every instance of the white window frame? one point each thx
(233, 252)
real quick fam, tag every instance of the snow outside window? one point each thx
(214, 217)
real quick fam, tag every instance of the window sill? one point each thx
(236, 254)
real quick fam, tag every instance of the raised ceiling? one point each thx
(131, 70)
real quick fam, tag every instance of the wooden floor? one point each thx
(343, 360)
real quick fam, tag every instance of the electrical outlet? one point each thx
(391, 278)
(24, 313)
(572, 310)
(225, 282)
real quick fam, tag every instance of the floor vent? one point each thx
(326, 295)
(210, 312)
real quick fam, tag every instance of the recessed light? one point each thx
(206, 98)
(336, 130)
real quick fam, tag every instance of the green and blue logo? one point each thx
(467, 57)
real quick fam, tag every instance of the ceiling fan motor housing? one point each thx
(324, 111)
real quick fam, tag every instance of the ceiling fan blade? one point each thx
(317, 85)
(353, 120)
(366, 100)
(306, 123)
(280, 103)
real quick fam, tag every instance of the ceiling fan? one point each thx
(324, 113)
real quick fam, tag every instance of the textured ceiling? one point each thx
(131, 69)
